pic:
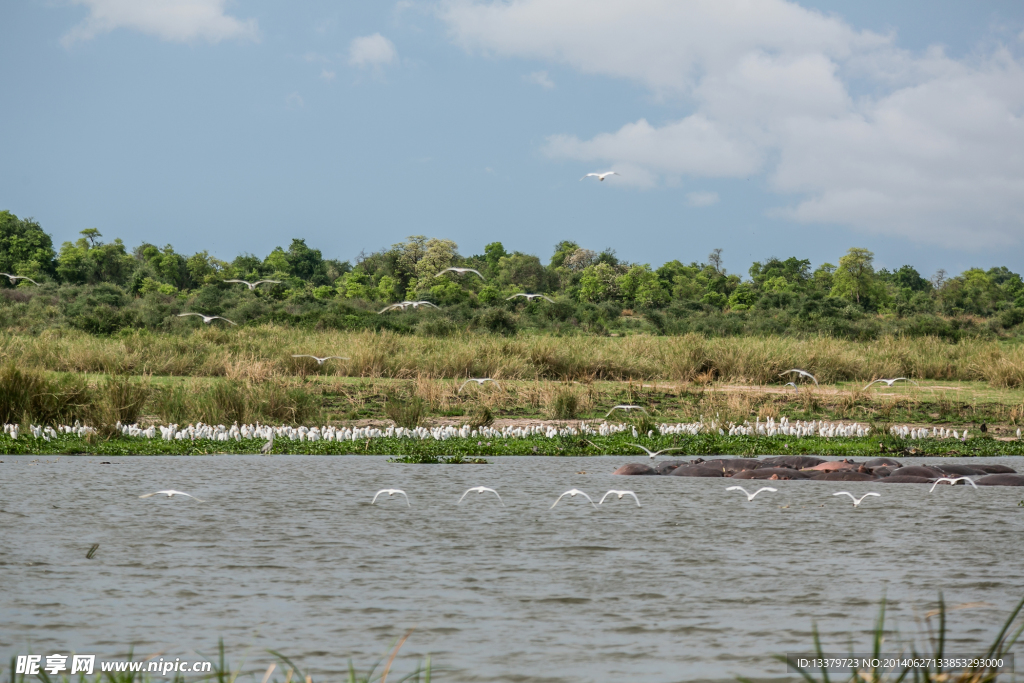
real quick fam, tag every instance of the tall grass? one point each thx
(260, 353)
(236, 401)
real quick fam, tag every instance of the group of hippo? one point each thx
(809, 467)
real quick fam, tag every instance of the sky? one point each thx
(761, 127)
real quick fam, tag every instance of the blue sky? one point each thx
(763, 127)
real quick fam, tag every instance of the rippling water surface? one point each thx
(286, 553)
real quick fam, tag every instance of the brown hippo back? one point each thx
(904, 479)
(842, 475)
(771, 473)
(917, 471)
(635, 469)
(696, 471)
(795, 461)
(995, 469)
(733, 465)
(1000, 480)
(959, 470)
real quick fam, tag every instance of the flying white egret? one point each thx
(654, 453)
(599, 176)
(627, 408)
(952, 481)
(319, 361)
(890, 382)
(460, 271)
(795, 387)
(481, 489)
(171, 492)
(14, 278)
(206, 318)
(856, 501)
(254, 285)
(798, 371)
(530, 297)
(480, 382)
(572, 493)
(620, 494)
(417, 304)
(390, 493)
(750, 496)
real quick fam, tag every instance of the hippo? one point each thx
(883, 462)
(883, 471)
(666, 466)
(635, 469)
(734, 465)
(904, 479)
(696, 471)
(917, 471)
(995, 469)
(830, 466)
(842, 475)
(794, 461)
(771, 473)
(959, 470)
(1005, 479)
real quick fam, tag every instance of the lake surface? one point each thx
(286, 553)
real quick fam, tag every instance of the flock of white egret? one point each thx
(572, 493)
(236, 432)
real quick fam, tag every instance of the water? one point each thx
(287, 554)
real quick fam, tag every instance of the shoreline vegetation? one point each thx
(468, 450)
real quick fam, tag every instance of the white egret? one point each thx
(480, 382)
(655, 453)
(620, 494)
(319, 361)
(572, 493)
(795, 387)
(390, 493)
(627, 408)
(750, 496)
(206, 318)
(599, 176)
(254, 285)
(530, 297)
(890, 382)
(856, 501)
(14, 278)
(952, 481)
(460, 271)
(481, 489)
(171, 492)
(798, 371)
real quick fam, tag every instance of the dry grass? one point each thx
(260, 353)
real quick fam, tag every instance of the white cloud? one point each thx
(327, 75)
(173, 20)
(372, 51)
(702, 198)
(933, 153)
(540, 78)
(295, 101)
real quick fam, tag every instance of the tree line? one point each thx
(101, 286)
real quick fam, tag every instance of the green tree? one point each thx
(855, 277)
(24, 248)
(521, 272)
(89, 261)
(598, 282)
(639, 286)
(493, 253)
